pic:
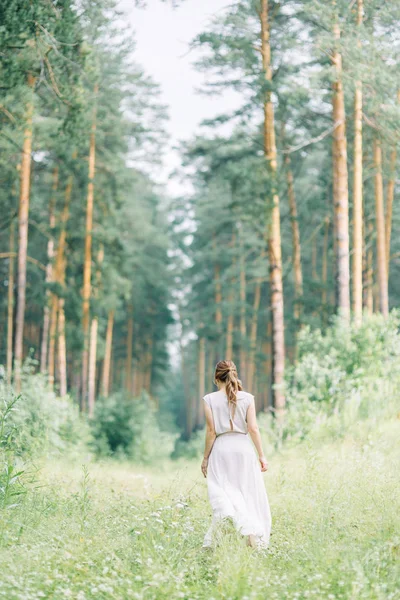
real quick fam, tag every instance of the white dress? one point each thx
(234, 478)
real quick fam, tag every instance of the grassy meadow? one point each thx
(106, 529)
(147, 232)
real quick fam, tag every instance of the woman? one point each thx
(235, 484)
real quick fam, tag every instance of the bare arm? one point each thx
(210, 438)
(254, 432)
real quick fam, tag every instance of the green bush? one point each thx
(190, 449)
(34, 424)
(12, 486)
(127, 427)
(44, 423)
(342, 375)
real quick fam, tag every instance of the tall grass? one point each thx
(110, 529)
(114, 530)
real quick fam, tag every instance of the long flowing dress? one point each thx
(234, 478)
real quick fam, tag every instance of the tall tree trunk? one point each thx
(296, 247)
(218, 292)
(210, 361)
(142, 369)
(217, 349)
(148, 365)
(10, 304)
(57, 304)
(188, 397)
(60, 275)
(242, 296)
(186, 376)
(229, 327)
(314, 251)
(93, 340)
(218, 296)
(340, 187)
(268, 366)
(274, 234)
(136, 385)
(358, 192)
(129, 344)
(52, 339)
(389, 200)
(62, 348)
(380, 231)
(201, 380)
(92, 366)
(253, 336)
(218, 346)
(375, 293)
(107, 354)
(87, 266)
(325, 263)
(389, 206)
(49, 273)
(368, 268)
(231, 316)
(23, 217)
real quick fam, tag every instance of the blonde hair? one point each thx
(226, 372)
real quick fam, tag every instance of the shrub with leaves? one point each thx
(42, 422)
(191, 448)
(127, 427)
(342, 375)
(11, 485)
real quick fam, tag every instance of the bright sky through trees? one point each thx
(163, 35)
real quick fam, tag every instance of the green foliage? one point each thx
(342, 375)
(82, 58)
(126, 427)
(11, 477)
(228, 168)
(135, 532)
(191, 448)
(43, 423)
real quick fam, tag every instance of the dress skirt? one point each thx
(236, 488)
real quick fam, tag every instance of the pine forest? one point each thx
(118, 297)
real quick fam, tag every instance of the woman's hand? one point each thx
(263, 463)
(204, 466)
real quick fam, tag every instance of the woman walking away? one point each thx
(234, 480)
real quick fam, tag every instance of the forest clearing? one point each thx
(118, 530)
(183, 182)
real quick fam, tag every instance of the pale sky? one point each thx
(162, 48)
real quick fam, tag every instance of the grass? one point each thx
(115, 530)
